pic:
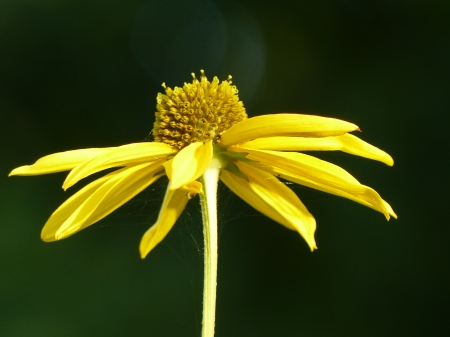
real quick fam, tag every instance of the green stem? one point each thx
(208, 202)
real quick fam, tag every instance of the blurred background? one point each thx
(79, 74)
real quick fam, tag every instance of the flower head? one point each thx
(204, 124)
(198, 112)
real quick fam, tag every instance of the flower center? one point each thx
(197, 112)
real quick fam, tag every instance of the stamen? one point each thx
(201, 110)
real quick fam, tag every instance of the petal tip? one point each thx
(144, 247)
(386, 159)
(143, 254)
(311, 241)
(147, 244)
(17, 171)
(64, 186)
(67, 184)
(48, 237)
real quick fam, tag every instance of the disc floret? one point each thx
(199, 111)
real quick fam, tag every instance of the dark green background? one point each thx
(77, 74)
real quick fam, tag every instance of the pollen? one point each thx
(199, 111)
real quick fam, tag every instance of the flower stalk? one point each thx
(208, 201)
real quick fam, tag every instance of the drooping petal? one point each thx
(241, 188)
(325, 188)
(285, 125)
(189, 164)
(58, 162)
(70, 206)
(389, 209)
(319, 171)
(173, 205)
(346, 143)
(120, 156)
(268, 195)
(126, 188)
(98, 199)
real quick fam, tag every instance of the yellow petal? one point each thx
(58, 162)
(325, 188)
(126, 188)
(130, 154)
(389, 209)
(241, 188)
(346, 143)
(70, 206)
(189, 164)
(98, 199)
(319, 171)
(268, 195)
(174, 203)
(284, 125)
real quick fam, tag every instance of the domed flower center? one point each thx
(197, 112)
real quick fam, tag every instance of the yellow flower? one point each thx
(204, 124)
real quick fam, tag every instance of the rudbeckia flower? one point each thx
(204, 124)
(201, 134)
